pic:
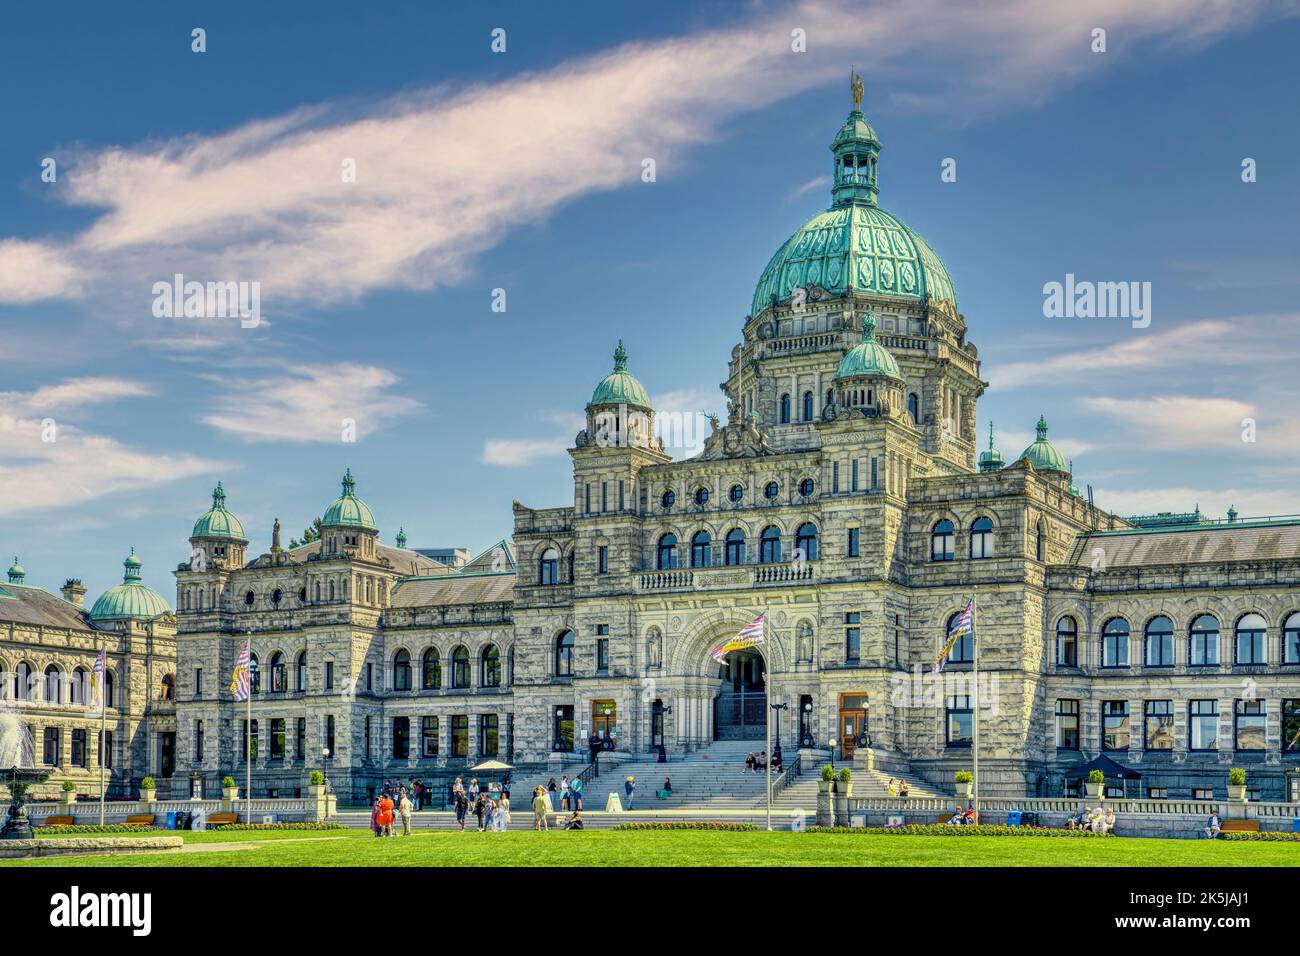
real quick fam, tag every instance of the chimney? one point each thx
(74, 592)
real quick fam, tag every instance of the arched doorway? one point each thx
(740, 709)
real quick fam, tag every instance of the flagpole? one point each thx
(975, 709)
(767, 739)
(103, 718)
(248, 746)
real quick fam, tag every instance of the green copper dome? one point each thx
(990, 460)
(130, 599)
(855, 242)
(16, 572)
(868, 357)
(217, 522)
(1042, 454)
(349, 510)
(620, 387)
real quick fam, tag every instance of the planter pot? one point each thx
(230, 793)
(965, 790)
(824, 786)
(316, 790)
(1237, 794)
(1094, 789)
(844, 788)
(148, 796)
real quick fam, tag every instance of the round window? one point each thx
(806, 487)
(250, 597)
(302, 595)
(669, 499)
(737, 492)
(701, 495)
(276, 595)
(771, 490)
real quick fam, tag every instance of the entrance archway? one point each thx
(740, 709)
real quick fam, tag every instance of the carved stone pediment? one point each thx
(736, 440)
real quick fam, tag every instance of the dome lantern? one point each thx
(16, 572)
(620, 387)
(990, 460)
(347, 510)
(856, 149)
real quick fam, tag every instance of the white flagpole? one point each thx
(975, 709)
(767, 740)
(248, 745)
(103, 739)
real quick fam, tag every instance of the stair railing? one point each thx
(789, 773)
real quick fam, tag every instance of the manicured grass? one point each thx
(212, 836)
(641, 848)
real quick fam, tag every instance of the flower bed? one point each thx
(940, 829)
(279, 826)
(1265, 836)
(91, 828)
(686, 825)
(125, 828)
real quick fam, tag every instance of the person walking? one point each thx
(564, 792)
(404, 809)
(480, 807)
(595, 744)
(386, 815)
(462, 808)
(629, 787)
(540, 808)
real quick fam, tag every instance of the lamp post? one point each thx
(559, 739)
(608, 742)
(325, 767)
(776, 753)
(833, 742)
(806, 737)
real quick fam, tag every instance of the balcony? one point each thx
(725, 577)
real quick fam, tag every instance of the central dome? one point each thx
(855, 242)
(348, 510)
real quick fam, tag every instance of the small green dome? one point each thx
(1074, 489)
(990, 460)
(620, 387)
(16, 572)
(868, 357)
(131, 599)
(217, 522)
(348, 510)
(1042, 454)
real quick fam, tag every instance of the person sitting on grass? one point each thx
(1076, 821)
(1097, 822)
(1108, 823)
(1213, 828)
(969, 817)
(575, 821)
(957, 818)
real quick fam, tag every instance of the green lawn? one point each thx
(640, 848)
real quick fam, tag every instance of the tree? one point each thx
(309, 534)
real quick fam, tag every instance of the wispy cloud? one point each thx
(519, 452)
(323, 403)
(1190, 422)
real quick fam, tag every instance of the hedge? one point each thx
(124, 828)
(279, 826)
(1266, 836)
(940, 829)
(687, 825)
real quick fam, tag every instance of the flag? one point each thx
(750, 635)
(97, 680)
(239, 680)
(962, 624)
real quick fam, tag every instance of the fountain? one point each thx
(17, 770)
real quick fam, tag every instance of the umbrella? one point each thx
(487, 765)
(1107, 766)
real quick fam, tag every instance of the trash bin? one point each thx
(1295, 825)
(1013, 818)
(171, 820)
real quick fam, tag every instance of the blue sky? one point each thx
(521, 170)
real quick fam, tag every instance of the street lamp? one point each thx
(325, 762)
(775, 762)
(559, 740)
(608, 743)
(806, 737)
(833, 742)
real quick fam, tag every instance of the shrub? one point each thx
(227, 781)
(688, 825)
(316, 778)
(846, 774)
(939, 829)
(279, 826)
(148, 784)
(1237, 777)
(964, 776)
(1096, 776)
(1264, 836)
(69, 786)
(828, 772)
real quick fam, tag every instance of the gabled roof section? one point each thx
(26, 604)
(1242, 540)
(488, 579)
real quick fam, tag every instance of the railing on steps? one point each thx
(788, 775)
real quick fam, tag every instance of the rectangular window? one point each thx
(370, 677)
(1203, 724)
(1250, 646)
(1250, 725)
(198, 741)
(368, 735)
(300, 740)
(401, 738)
(329, 734)
(604, 496)
(247, 739)
(1067, 725)
(620, 494)
(852, 637)
(1114, 725)
(602, 648)
(586, 499)
(602, 559)
(329, 675)
(488, 735)
(1291, 726)
(106, 750)
(429, 737)
(875, 475)
(79, 758)
(959, 722)
(854, 476)
(277, 738)
(198, 682)
(1202, 793)
(1157, 793)
(854, 544)
(835, 477)
(1159, 733)
(460, 735)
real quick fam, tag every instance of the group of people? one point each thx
(544, 805)
(1096, 819)
(491, 807)
(960, 817)
(754, 762)
(563, 796)
(392, 804)
(897, 788)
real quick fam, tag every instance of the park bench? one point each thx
(1239, 826)
(140, 820)
(222, 819)
(57, 822)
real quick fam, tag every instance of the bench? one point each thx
(139, 820)
(57, 822)
(1239, 826)
(222, 819)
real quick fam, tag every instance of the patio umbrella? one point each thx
(488, 765)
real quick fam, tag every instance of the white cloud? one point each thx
(443, 175)
(1213, 502)
(311, 404)
(518, 452)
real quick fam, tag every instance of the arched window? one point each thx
(785, 409)
(564, 655)
(79, 688)
(914, 408)
(701, 550)
(1159, 642)
(941, 538)
(1114, 643)
(701, 495)
(431, 670)
(981, 538)
(254, 675)
(666, 558)
(805, 541)
(109, 685)
(807, 406)
(460, 668)
(53, 685)
(23, 689)
(1067, 642)
(510, 668)
(331, 590)
(168, 690)
(1291, 639)
(963, 649)
(804, 642)
(490, 667)
(548, 569)
(735, 546)
(278, 683)
(1250, 646)
(1203, 637)
(769, 547)
(654, 648)
(402, 670)
(301, 667)
(317, 592)
(1039, 542)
